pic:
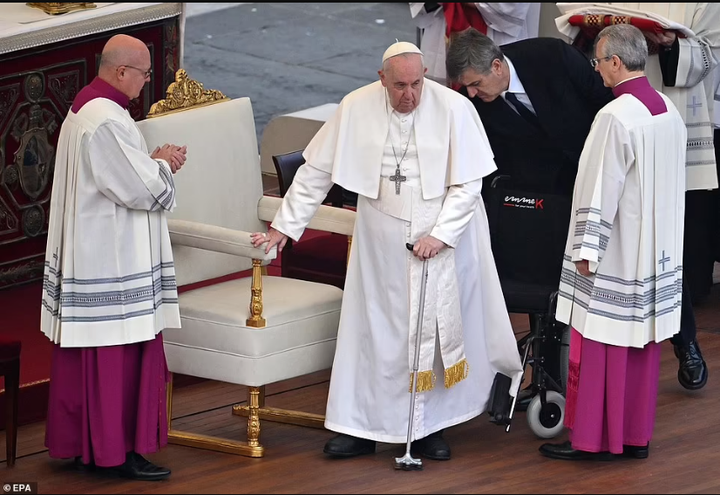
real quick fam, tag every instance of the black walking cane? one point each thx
(407, 462)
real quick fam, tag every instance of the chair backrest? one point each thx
(220, 183)
(287, 164)
(528, 233)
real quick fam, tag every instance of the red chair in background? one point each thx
(321, 259)
(10, 370)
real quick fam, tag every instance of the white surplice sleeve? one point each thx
(691, 60)
(507, 18)
(302, 199)
(126, 174)
(458, 209)
(604, 163)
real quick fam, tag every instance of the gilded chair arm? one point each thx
(326, 219)
(218, 239)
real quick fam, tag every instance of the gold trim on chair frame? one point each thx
(256, 319)
(184, 94)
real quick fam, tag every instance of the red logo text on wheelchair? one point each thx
(524, 202)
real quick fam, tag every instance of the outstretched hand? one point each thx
(272, 238)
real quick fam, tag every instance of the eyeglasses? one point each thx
(595, 61)
(147, 73)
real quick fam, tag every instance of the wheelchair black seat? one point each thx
(528, 231)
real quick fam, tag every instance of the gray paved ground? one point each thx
(287, 57)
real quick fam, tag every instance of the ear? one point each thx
(382, 78)
(425, 71)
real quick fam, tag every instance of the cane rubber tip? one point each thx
(408, 467)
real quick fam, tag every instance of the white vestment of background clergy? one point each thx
(109, 272)
(628, 217)
(692, 93)
(506, 22)
(368, 395)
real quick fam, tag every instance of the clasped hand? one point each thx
(174, 155)
(272, 238)
(428, 247)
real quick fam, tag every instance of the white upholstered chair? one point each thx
(251, 331)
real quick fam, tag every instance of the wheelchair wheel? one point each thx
(547, 422)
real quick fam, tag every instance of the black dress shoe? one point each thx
(636, 452)
(693, 372)
(347, 446)
(81, 466)
(432, 447)
(136, 467)
(566, 452)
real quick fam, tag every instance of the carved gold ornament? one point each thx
(61, 7)
(183, 94)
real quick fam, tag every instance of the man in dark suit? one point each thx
(537, 99)
(539, 142)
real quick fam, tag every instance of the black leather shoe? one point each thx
(432, 447)
(566, 452)
(347, 446)
(636, 452)
(693, 372)
(136, 467)
(81, 466)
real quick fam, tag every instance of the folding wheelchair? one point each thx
(528, 232)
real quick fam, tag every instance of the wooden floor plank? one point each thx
(683, 458)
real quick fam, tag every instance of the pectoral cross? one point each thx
(663, 260)
(397, 179)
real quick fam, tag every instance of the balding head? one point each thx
(124, 63)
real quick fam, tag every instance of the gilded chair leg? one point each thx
(251, 448)
(253, 422)
(274, 414)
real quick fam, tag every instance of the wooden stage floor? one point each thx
(684, 453)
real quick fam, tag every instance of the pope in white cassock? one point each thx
(415, 152)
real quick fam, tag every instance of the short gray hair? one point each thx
(470, 49)
(627, 42)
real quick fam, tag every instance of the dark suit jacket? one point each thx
(566, 93)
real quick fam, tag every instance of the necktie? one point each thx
(522, 109)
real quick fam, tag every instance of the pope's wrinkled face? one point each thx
(403, 77)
